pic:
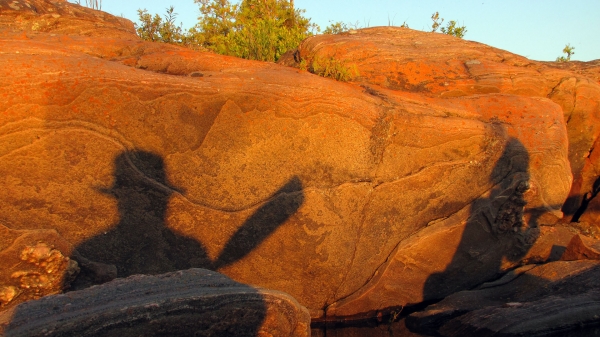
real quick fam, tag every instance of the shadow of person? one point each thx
(141, 243)
(495, 229)
(193, 302)
(498, 234)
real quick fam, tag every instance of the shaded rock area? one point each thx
(582, 248)
(194, 302)
(548, 299)
(444, 165)
(369, 328)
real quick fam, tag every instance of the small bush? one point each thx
(333, 68)
(451, 28)
(567, 50)
(437, 21)
(253, 29)
(454, 30)
(156, 29)
(336, 28)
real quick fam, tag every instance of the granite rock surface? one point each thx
(353, 197)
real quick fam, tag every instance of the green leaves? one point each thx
(437, 21)
(333, 68)
(454, 30)
(567, 50)
(336, 28)
(451, 28)
(214, 25)
(255, 29)
(154, 28)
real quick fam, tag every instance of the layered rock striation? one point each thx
(443, 165)
(434, 65)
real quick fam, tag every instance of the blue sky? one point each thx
(537, 29)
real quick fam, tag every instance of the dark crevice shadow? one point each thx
(141, 242)
(587, 198)
(495, 229)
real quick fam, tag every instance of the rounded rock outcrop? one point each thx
(351, 197)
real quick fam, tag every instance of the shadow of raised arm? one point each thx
(282, 204)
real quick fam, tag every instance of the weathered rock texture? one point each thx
(582, 248)
(35, 263)
(543, 300)
(350, 198)
(194, 302)
(437, 65)
(589, 69)
(62, 17)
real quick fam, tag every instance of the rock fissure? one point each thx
(356, 245)
(383, 201)
(586, 200)
(420, 171)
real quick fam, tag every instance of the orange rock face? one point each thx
(432, 173)
(582, 248)
(438, 66)
(62, 17)
(35, 263)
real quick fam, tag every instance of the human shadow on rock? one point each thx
(194, 302)
(495, 229)
(141, 243)
(500, 230)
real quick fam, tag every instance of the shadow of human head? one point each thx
(141, 242)
(140, 184)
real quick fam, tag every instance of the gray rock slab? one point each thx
(193, 302)
(577, 315)
(554, 298)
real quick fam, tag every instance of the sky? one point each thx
(536, 29)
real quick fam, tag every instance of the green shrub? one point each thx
(156, 29)
(153, 28)
(454, 30)
(437, 22)
(254, 29)
(333, 68)
(567, 50)
(216, 22)
(451, 28)
(265, 30)
(336, 28)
